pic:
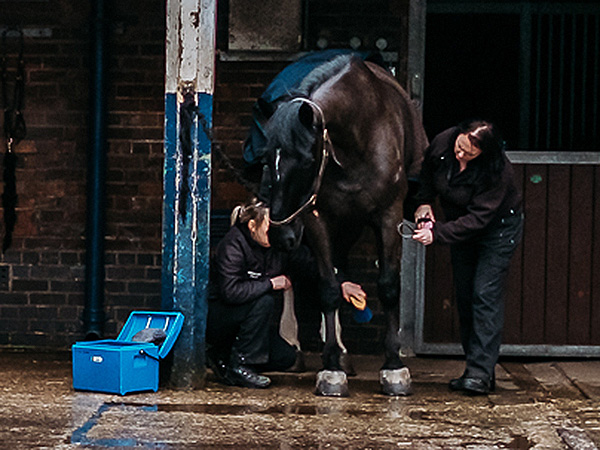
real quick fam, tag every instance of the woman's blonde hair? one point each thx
(252, 210)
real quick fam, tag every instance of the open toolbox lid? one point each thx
(170, 322)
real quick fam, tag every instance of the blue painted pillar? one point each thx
(189, 86)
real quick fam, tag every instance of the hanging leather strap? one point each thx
(14, 132)
(14, 122)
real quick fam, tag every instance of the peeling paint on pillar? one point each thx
(185, 253)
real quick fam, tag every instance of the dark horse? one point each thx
(340, 151)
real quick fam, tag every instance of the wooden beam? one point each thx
(189, 86)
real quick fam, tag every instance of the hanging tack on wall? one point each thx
(355, 42)
(14, 131)
(381, 44)
(322, 43)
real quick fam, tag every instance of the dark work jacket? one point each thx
(471, 200)
(243, 268)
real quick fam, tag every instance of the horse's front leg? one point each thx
(331, 380)
(394, 375)
(331, 349)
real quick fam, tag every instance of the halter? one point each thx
(312, 200)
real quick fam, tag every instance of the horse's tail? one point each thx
(415, 141)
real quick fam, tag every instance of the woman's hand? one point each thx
(424, 212)
(424, 236)
(353, 293)
(281, 282)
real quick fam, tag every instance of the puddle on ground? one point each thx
(80, 436)
(236, 410)
(519, 442)
(418, 414)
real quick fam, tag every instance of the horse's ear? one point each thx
(267, 109)
(305, 114)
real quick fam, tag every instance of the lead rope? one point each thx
(405, 230)
(14, 131)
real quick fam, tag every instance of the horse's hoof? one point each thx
(332, 383)
(395, 382)
(346, 364)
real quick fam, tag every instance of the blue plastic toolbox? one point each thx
(122, 365)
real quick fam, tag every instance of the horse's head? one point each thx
(293, 160)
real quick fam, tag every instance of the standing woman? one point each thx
(466, 166)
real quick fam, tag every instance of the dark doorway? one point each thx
(472, 70)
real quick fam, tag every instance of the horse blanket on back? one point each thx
(283, 87)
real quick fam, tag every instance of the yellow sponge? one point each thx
(359, 303)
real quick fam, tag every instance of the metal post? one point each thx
(415, 69)
(190, 65)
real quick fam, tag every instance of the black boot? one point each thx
(239, 374)
(218, 366)
(477, 386)
(457, 384)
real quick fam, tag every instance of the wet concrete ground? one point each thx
(544, 405)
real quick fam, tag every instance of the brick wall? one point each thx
(42, 298)
(42, 274)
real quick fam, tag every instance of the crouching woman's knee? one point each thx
(263, 305)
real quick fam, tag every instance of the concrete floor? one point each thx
(544, 405)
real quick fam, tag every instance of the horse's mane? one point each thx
(284, 126)
(322, 73)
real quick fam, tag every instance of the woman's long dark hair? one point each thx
(487, 137)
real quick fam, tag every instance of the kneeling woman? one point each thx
(249, 273)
